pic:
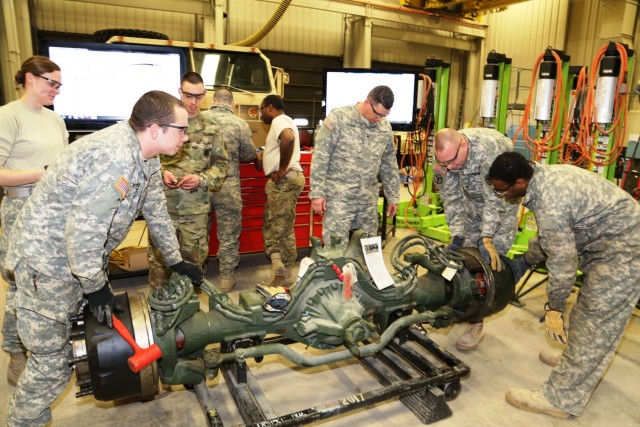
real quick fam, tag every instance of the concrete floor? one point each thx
(508, 357)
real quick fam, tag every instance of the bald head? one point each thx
(445, 138)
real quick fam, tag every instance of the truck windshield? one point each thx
(243, 71)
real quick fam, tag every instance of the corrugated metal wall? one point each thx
(524, 30)
(86, 18)
(300, 30)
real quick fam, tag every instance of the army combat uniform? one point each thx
(81, 210)
(586, 222)
(472, 209)
(282, 195)
(29, 139)
(350, 153)
(227, 202)
(203, 154)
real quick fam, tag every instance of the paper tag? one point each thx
(305, 263)
(448, 273)
(372, 249)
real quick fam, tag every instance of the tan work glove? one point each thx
(489, 251)
(554, 322)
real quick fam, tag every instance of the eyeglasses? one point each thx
(495, 190)
(196, 96)
(53, 84)
(183, 129)
(448, 162)
(382, 116)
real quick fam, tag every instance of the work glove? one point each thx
(554, 322)
(456, 243)
(190, 270)
(490, 253)
(101, 305)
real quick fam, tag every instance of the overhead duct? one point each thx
(266, 28)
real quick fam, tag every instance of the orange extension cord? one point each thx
(589, 129)
(416, 152)
(542, 145)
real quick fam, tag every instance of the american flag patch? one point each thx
(122, 185)
(330, 124)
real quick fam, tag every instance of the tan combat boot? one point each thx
(534, 401)
(227, 283)
(279, 273)
(17, 364)
(550, 356)
(471, 337)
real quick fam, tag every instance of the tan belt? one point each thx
(18, 191)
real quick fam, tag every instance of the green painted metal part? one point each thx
(321, 314)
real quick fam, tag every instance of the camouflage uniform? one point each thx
(23, 146)
(349, 155)
(282, 195)
(205, 155)
(472, 209)
(586, 223)
(80, 211)
(228, 201)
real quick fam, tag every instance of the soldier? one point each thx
(30, 136)
(81, 210)
(353, 148)
(280, 161)
(228, 202)
(197, 168)
(584, 222)
(476, 216)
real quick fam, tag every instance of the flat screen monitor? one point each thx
(102, 82)
(348, 86)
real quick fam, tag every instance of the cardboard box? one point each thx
(135, 259)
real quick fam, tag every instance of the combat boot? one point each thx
(471, 337)
(550, 356)
(534, 401)
(227, 283)
(279, 272)
(17, 364)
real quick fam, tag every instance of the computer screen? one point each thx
(347, 86)
(102, 82)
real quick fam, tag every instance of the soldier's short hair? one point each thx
(382, 95)
(223, 95)
(509, 167)
(192, 77)
(275, 101)
(154, 107)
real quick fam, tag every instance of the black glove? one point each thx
(190, 270)
(456, 243)
(101, 305)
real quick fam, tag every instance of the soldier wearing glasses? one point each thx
(80, 211)
(199, 166)
(354, 146)
(476, 215)
(584, 222)
(30, 137)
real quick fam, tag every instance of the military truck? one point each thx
(246, 71)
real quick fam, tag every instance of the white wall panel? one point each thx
(86, 18)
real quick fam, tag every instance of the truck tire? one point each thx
(101, 36)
